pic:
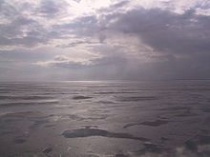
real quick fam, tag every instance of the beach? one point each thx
(105, 119)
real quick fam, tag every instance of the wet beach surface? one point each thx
(105, 119)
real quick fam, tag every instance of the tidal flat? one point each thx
(105, 119)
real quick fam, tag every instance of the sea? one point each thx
(105, 119)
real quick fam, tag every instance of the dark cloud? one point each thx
(180, 41)
(165, 31)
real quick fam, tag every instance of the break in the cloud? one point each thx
(109, 39)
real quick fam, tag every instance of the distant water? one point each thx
(105, 119)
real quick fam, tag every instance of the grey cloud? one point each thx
(114, 7)
(102, 37)
(165, 31)
(24, 55)
(111, 60)
(109, 67)
(50, 8)
(180, 41)
(120, 4)
(77, 43)
(64, 61)
(82, 26)
(85, 29)
(68, 65)
(203, 5)
(8, 10)
(22, 31)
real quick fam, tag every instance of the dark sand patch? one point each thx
(206, 110)
(19, 140)
(75, 117)
(176, 108)
(197, 141)
(38, 123)
(206, 121)
(21, 114)
(155, 123)
(106, 102)
(163, 117)
(163, 139)
(47, 150)
(205, 131)
(49, 125)
(2, 133)
(120, 92)
(150, 148)
(202, 139)
(137, 98)
(87, 132)
(148, 123)
(80, 97)
(179, 111)
(31, 119)
(121, 155)
(186, 114)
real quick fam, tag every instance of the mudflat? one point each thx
(104, 119)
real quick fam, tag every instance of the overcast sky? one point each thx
(104, 39)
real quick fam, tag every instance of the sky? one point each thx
(68, 40)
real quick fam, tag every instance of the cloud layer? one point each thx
(113, 39)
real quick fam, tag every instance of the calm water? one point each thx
(105, 119)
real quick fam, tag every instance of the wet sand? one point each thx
(83, 123)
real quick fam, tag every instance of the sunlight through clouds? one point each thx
(153, 33)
